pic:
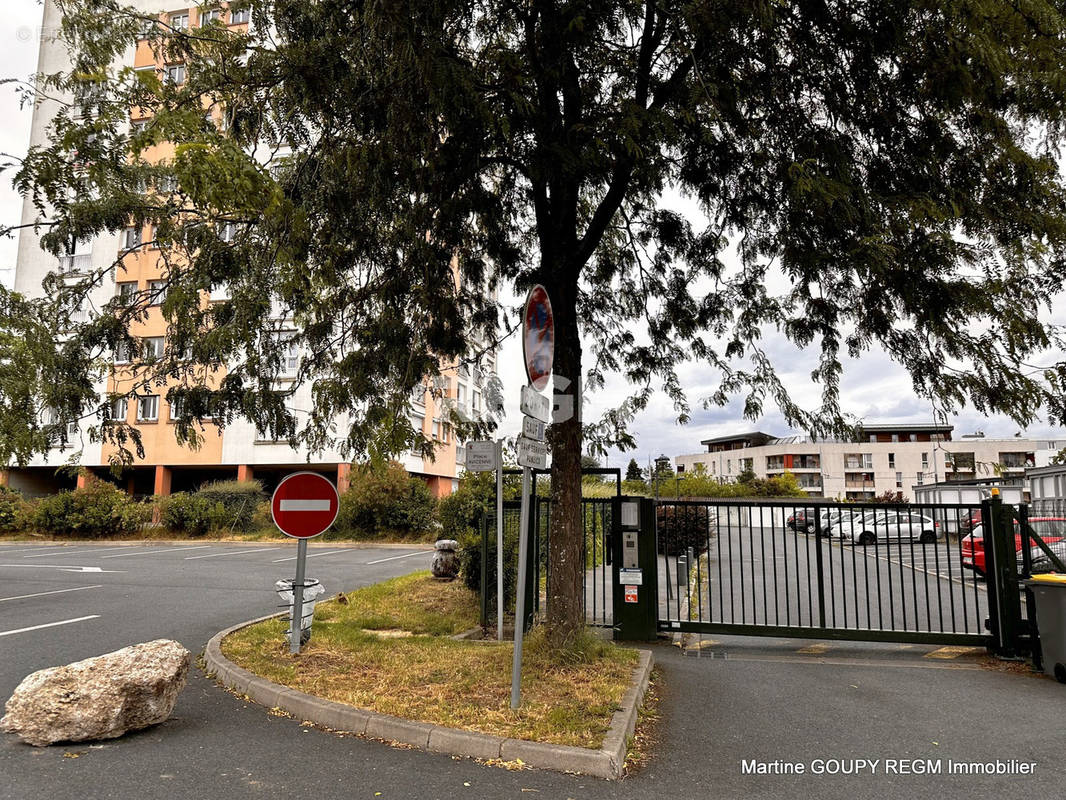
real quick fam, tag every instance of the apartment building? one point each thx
(882, 458)
(240, 450)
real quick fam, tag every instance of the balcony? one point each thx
(71, 264)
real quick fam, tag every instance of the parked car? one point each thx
(878, 526)
(970, 521)
(1051, 529)
(841, 524)
(809, 520)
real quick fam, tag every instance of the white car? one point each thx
(879, 526)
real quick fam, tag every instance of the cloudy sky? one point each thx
(873, 388)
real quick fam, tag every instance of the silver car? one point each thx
(879, 526)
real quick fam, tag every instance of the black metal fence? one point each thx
(825, 570)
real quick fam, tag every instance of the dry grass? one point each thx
(566, 699)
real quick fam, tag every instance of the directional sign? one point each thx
(481, 456)
(538, 337)
(534, 404)
(533, 429)
(304, 505)
(532, 454)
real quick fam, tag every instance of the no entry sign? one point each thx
(304, 505)
(538, 337)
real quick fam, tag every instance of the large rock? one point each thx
(99, 698)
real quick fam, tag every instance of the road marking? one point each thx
(304, 505)
(393, 558)
(62, 567)
(814, 649)
(57, 591)
(166, 550)
(72, 552)
(231, 553)
(49, 625)
(952, 652)
(310, 555)
(48, 547)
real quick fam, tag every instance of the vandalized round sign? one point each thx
(538, 337)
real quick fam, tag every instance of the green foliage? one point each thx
(633, 471)
(185, 513)
(385, 503)
(681, 527)
(230, 505)
(98, 510)
(470, 564)
(15, 510)
(699, 484)
(462, 510)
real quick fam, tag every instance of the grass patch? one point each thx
(567, 698)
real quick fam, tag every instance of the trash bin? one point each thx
(312, 590)
(1050, 594)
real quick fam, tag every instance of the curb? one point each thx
(607, 762)
(341, 545)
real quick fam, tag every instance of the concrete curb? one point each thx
(607, 762)
(341, 545)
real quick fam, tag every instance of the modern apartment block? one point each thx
(239, 451)
(884, 458)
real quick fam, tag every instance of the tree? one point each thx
(633, 471)
(875, 176)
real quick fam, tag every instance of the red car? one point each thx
(1051, 529)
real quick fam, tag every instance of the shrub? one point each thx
(231, 505)
(470, 564)
(461, 511)
(385, 503)
(96, 510)
(681, 527)
(15, 510)
(185, 513)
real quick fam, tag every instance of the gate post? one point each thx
(634, 569)
(1001, 576)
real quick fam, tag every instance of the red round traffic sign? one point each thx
(304, 505)
(538, 337)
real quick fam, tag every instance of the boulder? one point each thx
(445, 563)
(101, 697)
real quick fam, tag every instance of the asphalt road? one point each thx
(738, 699)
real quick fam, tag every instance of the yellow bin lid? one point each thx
(1056, 579)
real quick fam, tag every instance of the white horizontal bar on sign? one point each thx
(305, 505)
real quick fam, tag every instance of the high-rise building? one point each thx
(240, 450)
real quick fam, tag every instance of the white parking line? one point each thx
(63, 553)
(5, 550)
(310, 555)
(232, 553)
(49, 625)
(407, 555)
(166, 550)
(57, 591)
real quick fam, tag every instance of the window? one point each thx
(146, 29)
(240, 16)
(207, 17)
(174, 74)
(921, 476)
(925, 460)
(153, 347)
(167, 184)
(290, 355)
(177, 409)
(477, 402)
(228, 232)
(446, 432)
(122, 355)
(899, 480)
(873, 437)
(913, 437)
(180, 21)
(119, 409)
(460, 395)
(418, 397)
(895, 437)
(156, 292)
(436, 429)
(126, 291)
(132, 237)
(729, 466)
(418, 423)
(148, 408)
(891, 460)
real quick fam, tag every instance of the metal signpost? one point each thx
(538, 347)
(303, 506)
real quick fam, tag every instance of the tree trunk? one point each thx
(566, 564)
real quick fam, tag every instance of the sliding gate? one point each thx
(893, 573)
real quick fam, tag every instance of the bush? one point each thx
(461, 511)
(97, 510)
(185, 513)
(15, 510)
(470, 564)
(232, 505)
(385, 503)
(681, 527)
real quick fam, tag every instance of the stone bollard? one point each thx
(445, 564)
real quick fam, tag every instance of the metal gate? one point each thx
(890, 573)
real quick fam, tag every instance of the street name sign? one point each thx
(533, 429)
(538, 337)
(481, 456)
(534, 404)
(304, 505)
(532, 454)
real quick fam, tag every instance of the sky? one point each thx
(873, 389)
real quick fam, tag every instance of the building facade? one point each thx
(240, 450)
(891, 458)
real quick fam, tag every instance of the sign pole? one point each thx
(499, 540)
(520, 599)
(298, 597)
